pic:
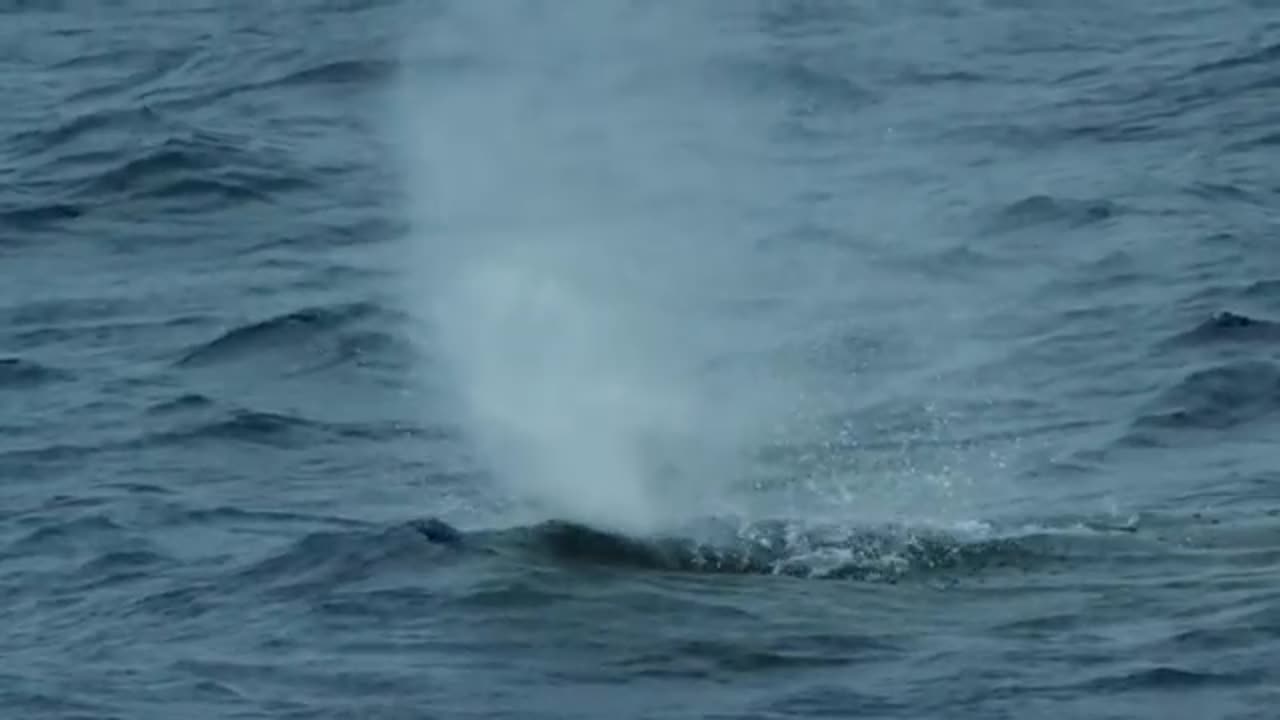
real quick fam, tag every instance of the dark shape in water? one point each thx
(1221, 397)
(1036, 210)
(292, 330)
(438, 531)
(766, 548)
(1230, 327)
(18, 373)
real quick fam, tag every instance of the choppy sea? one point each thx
(761, 359)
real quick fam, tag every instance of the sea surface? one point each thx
(756, 359)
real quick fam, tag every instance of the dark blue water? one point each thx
(661, 360)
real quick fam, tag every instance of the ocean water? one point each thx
(761, 359)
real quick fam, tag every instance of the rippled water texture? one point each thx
(753, 359)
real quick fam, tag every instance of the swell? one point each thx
(32, 216)
(1164, 102)
(294, 327)
(338, 72)
(250, 426)
(1221, 397)
(86, 551)
(332, 558)
(94, 163)
(215, 425)
(283, 430)
(342, 74)
(1228, 327)
(1265, 56)
(1167, 677)
(190, 166)
(57, 143)
(337, 332)
(17, 373)
(141, 86)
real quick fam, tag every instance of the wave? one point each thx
(276, 429)
(268, 428)
(340, 72)
(58, 535)
(1265, 57)
(1223, 397)
(1229, 327)
(40, 214)
(189, 168)
(294, 329)
(216, 424)
(41, 313)
(87, 124)
(1263, 289)
(16, 373)
(183, 403)
(357, 73)
(1168, 677)
(330, 558)
(1265, 139)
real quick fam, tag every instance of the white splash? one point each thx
(562, 264)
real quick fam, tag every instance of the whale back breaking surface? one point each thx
(785, 548)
